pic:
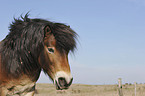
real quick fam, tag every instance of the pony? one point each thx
(32, 46)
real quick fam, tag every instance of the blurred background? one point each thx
(111, 42)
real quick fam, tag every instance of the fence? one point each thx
(120, 91)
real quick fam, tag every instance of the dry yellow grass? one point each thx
(89, 90)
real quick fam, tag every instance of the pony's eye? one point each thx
(51, 50)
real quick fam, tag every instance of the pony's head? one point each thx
(58, 41)
(39, 44)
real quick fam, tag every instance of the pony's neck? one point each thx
(16, 64)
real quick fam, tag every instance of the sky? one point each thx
(111, 42)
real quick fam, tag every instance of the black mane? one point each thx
(21, 47)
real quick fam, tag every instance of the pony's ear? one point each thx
(47, 31)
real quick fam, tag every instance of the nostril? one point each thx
(61, 78)
(70, 82)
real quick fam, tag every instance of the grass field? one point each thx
(89, 90)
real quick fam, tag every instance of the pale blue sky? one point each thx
(111, 35)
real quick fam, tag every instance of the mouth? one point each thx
(61, 84)
(58, 87)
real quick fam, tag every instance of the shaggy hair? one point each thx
(21, 47)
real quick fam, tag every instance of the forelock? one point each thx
(65, 37)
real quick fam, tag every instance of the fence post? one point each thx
(120, 87)
(135, 88)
